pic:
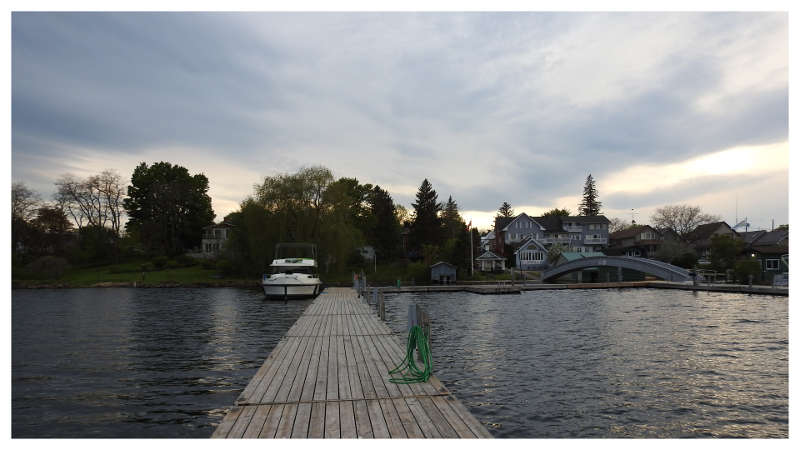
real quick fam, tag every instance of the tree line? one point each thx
(163, 210)
(85, 222)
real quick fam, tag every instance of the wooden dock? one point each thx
(328, 378)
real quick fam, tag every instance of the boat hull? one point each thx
(281, 290)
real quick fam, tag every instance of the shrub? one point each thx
(208, 264)
(746, 267)
(159, 262)
(186, 260)
(224, 267)
(147, 267)
(419, 272)
(48, 267)
(686, 260)
(172, 264)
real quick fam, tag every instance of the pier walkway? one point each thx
(328, 378)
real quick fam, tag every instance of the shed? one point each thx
(443, 272)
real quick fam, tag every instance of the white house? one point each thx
(215, 237)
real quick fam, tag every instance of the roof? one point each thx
(550, 223)
(586, 219)
(750, 236)
(489, 235)
(514, 219)
(771, 249)
(222, 224)
(489, 256)
(705, 231)
(443, 263)
(630, 232)
(775, 237)
(529, 241)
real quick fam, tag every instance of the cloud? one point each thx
(515, 107)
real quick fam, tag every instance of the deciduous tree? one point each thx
(556, 212)
(168, 207)
(24, 201)
(617, 224)
(681, 219)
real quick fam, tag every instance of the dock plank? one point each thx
(328, 378)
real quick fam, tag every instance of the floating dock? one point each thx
(328, 378)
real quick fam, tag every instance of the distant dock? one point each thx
(328, 378)
(517, 288)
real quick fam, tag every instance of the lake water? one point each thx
(612, 362)
(599, 363)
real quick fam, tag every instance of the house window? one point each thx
(772, 264)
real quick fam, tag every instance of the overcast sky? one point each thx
(661, 108)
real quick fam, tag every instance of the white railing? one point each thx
(564, 240)
(589, 240)
(574, 229)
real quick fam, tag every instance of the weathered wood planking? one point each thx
(328, 378)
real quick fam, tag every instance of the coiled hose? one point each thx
(408, 370)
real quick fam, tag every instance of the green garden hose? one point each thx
(408, 369)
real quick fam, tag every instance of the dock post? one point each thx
(381, 306)
(413, 318)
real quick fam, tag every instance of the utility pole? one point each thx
(469, 236)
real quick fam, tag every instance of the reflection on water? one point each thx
(136, 362)
(612, 363)
(595, 363)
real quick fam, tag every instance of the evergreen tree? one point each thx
(453, 223)
(426, 226)
(589, 206)
(385, 236)
(505, 211)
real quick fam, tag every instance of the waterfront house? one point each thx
(531, 255)
(575, 233)
(490, 262)
(700, 238)
(636, 240)
(215, 237)
(771, 248)
(443, 272)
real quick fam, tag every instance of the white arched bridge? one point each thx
(659, 269)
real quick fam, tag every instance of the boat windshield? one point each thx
(293, 269)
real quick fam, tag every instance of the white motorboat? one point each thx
(295, 276)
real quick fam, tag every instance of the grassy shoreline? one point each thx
(130, 274)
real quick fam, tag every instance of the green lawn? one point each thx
(131, 272)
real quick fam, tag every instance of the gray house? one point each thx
(531, 255)
(443, 272)
(575, 233)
